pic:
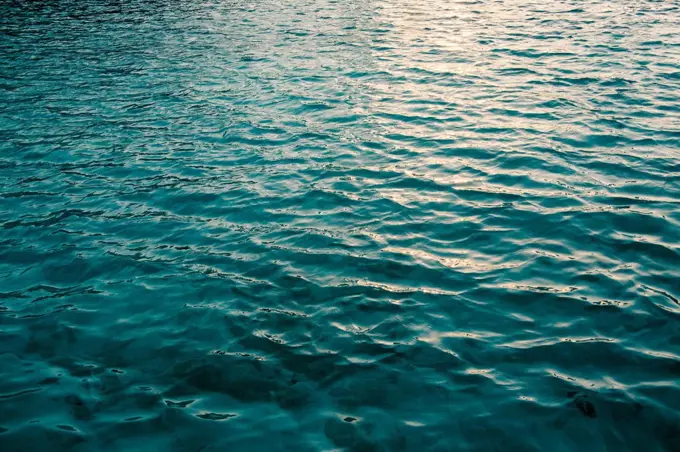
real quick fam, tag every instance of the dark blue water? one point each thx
(373, 225)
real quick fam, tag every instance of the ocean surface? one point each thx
(318, 225)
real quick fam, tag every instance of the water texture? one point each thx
(371, 225)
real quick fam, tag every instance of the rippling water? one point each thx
(340, 225)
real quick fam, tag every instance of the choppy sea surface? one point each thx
(310, 225)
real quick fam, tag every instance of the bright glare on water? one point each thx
(325, 225)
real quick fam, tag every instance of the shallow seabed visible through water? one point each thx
(317, 225)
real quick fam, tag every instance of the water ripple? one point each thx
(323, 225)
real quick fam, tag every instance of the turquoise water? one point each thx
(340, 225)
